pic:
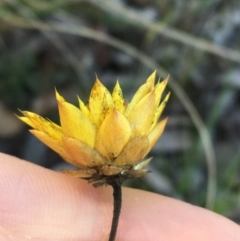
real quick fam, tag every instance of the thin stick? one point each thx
(117, 197)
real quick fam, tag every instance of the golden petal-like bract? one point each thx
(41, 124)
(141, 93)
(141, 116)
(108, 137)
(118, 100)
(100, 102)
(81, 127)
(83, 155)
(114, 133)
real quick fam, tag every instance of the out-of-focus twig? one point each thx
(142, 21)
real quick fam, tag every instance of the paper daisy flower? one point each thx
(108, 136)
(108, 139)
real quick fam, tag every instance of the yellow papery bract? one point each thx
(159, 110)
(142, 164)
(155, 134)
(159, 90)
(141, 92)
(81, 128)
(151, 79)
(54, 144)
(83, 155)
(133, 152)
(106, 138)
(83, 107)
(26, 120)
(41, 124)
(141, 117)
(118, 100)
(100, 102)
(113, 135)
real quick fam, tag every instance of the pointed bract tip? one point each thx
(58, 96)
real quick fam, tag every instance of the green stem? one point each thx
(117, 197)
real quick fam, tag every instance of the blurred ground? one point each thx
(62, 44)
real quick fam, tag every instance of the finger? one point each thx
(40, 203)
(53, 206)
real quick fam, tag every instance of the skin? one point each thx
(39, 204)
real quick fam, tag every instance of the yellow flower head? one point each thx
(108, 138)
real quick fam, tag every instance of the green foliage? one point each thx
(18, 83)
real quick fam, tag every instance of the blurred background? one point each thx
(64, 43)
